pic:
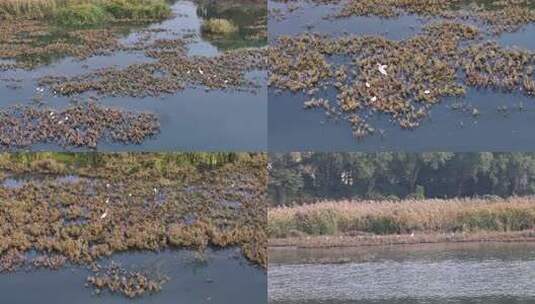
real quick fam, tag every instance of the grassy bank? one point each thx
(121, 165)
(431, 217)
(84, 12)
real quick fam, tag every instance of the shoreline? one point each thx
(334, 241)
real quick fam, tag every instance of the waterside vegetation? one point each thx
(406, 217)
(62, 208)
(85, 12)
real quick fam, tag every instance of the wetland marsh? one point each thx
(401, 228)
(108, 217)
(410, 75)
(204, 91)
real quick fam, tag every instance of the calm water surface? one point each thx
(193, 119)
(496, 273)
(291, 128)
(224, 277)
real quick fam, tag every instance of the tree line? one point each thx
(297, 178)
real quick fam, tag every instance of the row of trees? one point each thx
(307, 177)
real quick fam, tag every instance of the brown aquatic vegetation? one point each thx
(30, 44)
(402, 79)
(390, 77)
(118, 280)
(26, 43)
(51, 262)
(497, 16)
(369, 218)
(500, 15)
(11, 259)
(173, 71)
(130, 202)
(77, 126)
(489, 65)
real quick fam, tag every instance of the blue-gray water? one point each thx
(292, 128)
(496, 273)
(225, 277)
(193, 119)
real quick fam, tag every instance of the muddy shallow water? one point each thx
(292, 128)
(224, 276)
(191, 119)
(438, 273)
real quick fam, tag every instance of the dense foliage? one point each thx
(308, 177)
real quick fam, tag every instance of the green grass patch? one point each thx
(85, 12)
(81, 15)
(137, 10)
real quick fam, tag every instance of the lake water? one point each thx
(496, 273)
(223, 277)
(292, 128)
(192, 119)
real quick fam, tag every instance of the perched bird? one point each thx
(104, 214)
(382, 69)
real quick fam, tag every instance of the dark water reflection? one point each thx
(447, 273)
(225, 277)
(249, 16)
(193, 119)
(292, 128)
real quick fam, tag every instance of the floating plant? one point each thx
(173, 71)
(129, 283)
(116, 207)
(77, 126)
(402, 79)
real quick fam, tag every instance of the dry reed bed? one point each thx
(365, 218)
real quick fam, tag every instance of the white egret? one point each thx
(382, 69)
